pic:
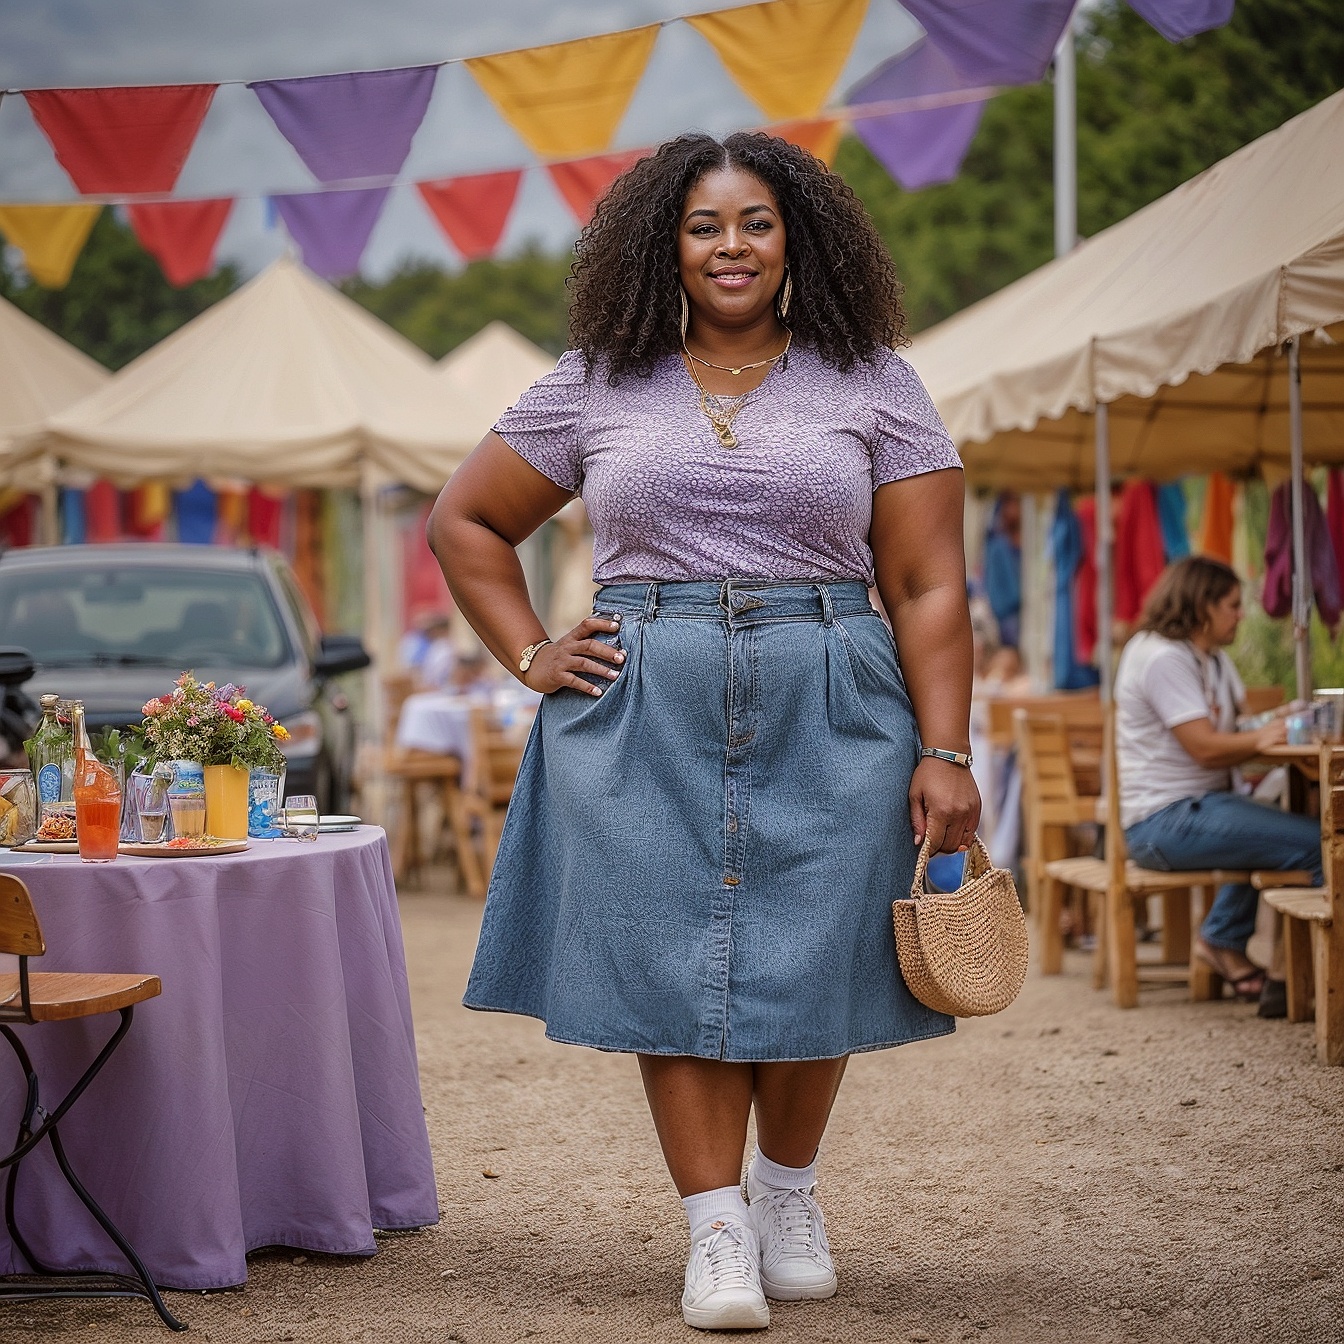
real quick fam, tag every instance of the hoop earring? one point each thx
(685, 311)
(785, 295)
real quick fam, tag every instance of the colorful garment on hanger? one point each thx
(1215, 534)
(1066, 553)
(1003, 579)
(1085, 583)
(1277, 597)
(1171, 518)
(1334, 517)
(1139, 554)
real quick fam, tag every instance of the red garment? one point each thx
(18, 521)
(1085, 582)
(1277, 597)
(1139, 555)
(102, 512)
(265, 513)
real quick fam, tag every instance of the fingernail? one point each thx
(612, 673)
(597, 690)
(620, 657)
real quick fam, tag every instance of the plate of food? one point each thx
(47, 847)
(56, 835)
(185, 846)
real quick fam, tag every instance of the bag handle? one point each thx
(977, 864)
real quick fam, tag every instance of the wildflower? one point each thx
(235, 714)
(244, 705)
(280, 731)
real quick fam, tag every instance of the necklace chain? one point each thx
(741, 368)
(722, 411)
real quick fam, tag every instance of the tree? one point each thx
(1151, 114)
(117, 303)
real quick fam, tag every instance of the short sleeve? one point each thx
(1172, 685)
(909, 437)
(544, 425)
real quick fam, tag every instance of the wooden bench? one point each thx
(1313, 924)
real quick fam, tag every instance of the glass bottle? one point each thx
(65, 716)
(47, 749)
(97, 798)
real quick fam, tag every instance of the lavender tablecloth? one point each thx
(270, 1096)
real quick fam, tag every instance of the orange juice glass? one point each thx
(97, 812)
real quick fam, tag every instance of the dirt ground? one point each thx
(1062, 1172)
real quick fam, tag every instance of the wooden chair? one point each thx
(1262, 698)
(31, 998)
(1051, 808)
(1121, 885)
(495, 758)
(1313, 924)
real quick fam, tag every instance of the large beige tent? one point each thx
(285, 381)
(40, 374)
(497, 364)
(1173, 317)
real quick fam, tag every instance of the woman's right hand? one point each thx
(1273, 734)
(562, 662)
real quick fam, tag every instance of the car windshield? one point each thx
(141, 614)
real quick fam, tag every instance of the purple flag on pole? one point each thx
(332, 228)
(924, 146)
(1179, 19)
(347, 127)
(994, 41)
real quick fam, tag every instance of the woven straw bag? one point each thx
(963, 952)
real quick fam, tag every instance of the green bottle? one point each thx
(48, 748)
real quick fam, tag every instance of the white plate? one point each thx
(337, 819)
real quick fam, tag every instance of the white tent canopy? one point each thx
(40, 374)
(285, 381)
(1164, 316)
(496, 364)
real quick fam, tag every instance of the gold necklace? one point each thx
(728, 368)
(720, 411)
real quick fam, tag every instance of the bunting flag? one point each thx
(51, 237)
(332, 228)
(924, 146)
(348, 127)
(566, 100)
(181, 236)
(996, 41)
(122, 140)
(785, 55)
(472, 211)
(1178, 19)
(583, 182)
(821, 138)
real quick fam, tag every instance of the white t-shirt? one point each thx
(1160, 684)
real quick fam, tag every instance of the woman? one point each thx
(1177, 697)
(724, 789)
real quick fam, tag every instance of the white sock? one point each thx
(777, 1177)
(711, 1205)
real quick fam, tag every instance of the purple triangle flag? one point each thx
(1178, 19)
(924, 146)
(995, 41)
(350, 127)
(332, 228)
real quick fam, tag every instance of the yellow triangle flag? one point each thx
(51, 237)
(786, 55)
(566, 100)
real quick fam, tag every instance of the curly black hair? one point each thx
(846, 300)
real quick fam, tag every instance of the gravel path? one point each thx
(1062, 1172)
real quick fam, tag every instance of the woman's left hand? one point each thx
(945, 801)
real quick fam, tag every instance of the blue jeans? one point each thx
(1226, 830)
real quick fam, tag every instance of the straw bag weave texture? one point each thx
(963, 952)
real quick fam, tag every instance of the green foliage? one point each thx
(1151, 114)
(438, 310)
(117, 303)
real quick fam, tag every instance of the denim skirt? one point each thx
(702, 860)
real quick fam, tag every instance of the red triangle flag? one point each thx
(583, 182)
(181, 236)
(472, 211)
(129, 140)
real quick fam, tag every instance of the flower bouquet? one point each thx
(229, 735)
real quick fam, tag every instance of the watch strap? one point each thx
(953, 757)
(528, 654)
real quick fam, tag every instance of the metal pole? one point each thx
(1301, 574)
(1104, 547)
(1066, 144)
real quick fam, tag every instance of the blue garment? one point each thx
(197, 509)
(74, 517)
(702, 861)
(1171, 518)
(1003, 585)
(1226, 830)
(1066, 552)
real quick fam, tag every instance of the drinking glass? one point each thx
(188, 813)
(301, 816)
(98, 822)
(152, 825)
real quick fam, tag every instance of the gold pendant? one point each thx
(734, 372)
(727, 437)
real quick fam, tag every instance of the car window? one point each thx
(299, 605)
(142, 613)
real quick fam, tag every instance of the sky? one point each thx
(74, 43)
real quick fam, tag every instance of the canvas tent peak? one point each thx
(496, 358)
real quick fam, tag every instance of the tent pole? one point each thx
(1104, 547)
(1301, 574)
(1066, 143)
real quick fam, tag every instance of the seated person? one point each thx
(1177, 697)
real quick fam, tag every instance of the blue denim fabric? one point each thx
(702, 861)
(1226, 830)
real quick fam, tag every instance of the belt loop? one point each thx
(827, 610)
(651, 602)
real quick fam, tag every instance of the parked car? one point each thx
(113, 625)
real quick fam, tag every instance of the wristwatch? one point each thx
(529, 653)
(953, 757)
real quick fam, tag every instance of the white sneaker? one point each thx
(723, 1280)
(795, 1256)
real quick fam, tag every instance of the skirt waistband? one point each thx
(738, 600)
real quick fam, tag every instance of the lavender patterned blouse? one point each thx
(793, 500)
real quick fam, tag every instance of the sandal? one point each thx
(1246, 986)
